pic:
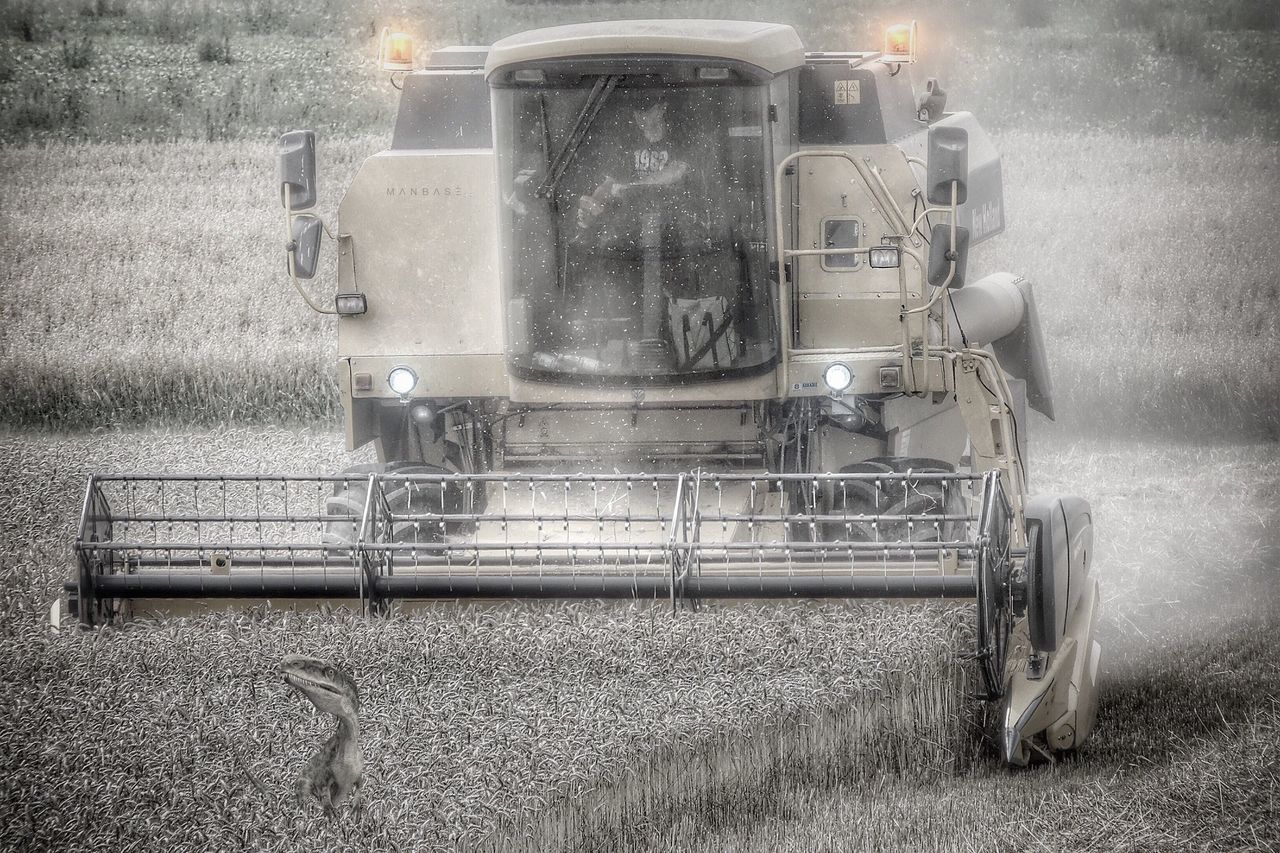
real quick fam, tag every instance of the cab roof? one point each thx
(773, 47)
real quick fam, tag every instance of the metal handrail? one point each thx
(886, 204)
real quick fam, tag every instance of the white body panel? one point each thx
(988, 309)
(773, 47)
(419, 239)
(857, 306)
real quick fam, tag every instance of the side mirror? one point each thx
(933, 103)
(296, 160)
(948, 162)
(940, 254)
(304, 247)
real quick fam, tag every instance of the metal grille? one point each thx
(216, 536)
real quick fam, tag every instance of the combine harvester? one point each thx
(686, 248)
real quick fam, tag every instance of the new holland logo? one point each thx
(425, 192)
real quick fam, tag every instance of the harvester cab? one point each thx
(657, 309)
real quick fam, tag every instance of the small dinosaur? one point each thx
(334, 774)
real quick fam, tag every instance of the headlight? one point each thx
(350, 304)
(884, 257)
(838, 377)
(402, 380)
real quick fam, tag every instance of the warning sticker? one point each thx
(848, 91)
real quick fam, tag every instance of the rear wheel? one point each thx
(928, 502)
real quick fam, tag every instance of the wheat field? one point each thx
(524, 728)
(1156, 323)
(1186, 753)
(593, 727)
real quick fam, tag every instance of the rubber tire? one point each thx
(994, 623)
(350, 499)
(864, 497)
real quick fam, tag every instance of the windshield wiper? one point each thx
(544, 125)
(557, 241)
(599, 93)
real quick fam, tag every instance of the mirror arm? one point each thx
(924, 213)
(289, 244)
(951, 256)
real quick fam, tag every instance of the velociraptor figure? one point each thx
(333, 775)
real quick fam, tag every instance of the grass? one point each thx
(206, 86)
(182, 312)
(1153, 322)
(592, 727)
(186, 314)
(158, 73)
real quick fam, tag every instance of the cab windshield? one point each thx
(635, 218)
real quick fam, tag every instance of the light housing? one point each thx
(847, 416)
(884, 257)
(900, 43)
(838, 377)
(395, 51)
(350, 304)
(402, 380)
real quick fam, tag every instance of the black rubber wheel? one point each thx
(995, 618)
(349, 501)
(897, 496)
(996, 608)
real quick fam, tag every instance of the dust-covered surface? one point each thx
(544, 725)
